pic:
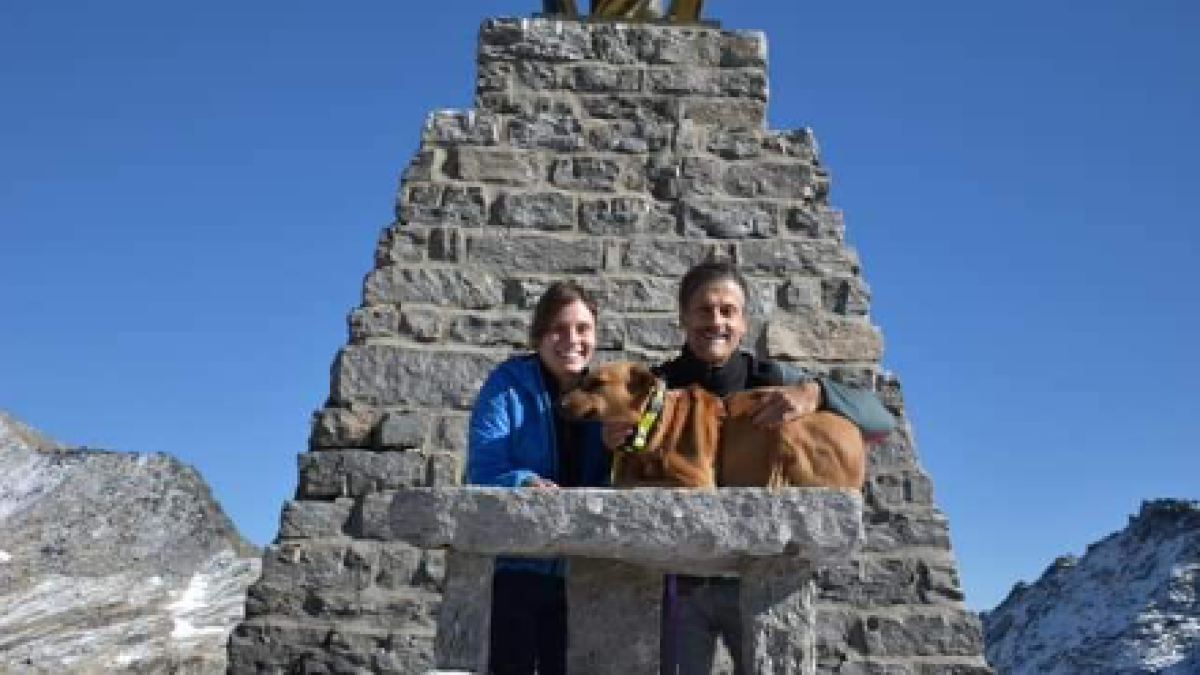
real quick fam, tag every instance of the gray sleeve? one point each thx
(860, 406)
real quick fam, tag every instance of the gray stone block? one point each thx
(546, 211)
(919, 634)
(629, 136)
(664, 257)
(778, 619)
(422, 325)
(489, 331)
(450, 205)
(401, 244)
(614, 611)
(533, 40)
(349, 426)
(538, 75)
(597, 174)
(604, 79)
(374, 321)
(642, 526)
(450, 433)
(849, 296)
(796, 180)
(444, 470)
(547, 131)
(747, 83)
(782, 258)
(809, 339)
(459, 127)
(625, 217)
(735, 143)
(388, 375)
(354, 473)
(800, 295)
(403, 429)
(493, 76)
(315, 520)
(729, 219)
(507, 167)
(892, 530)
(447, 244)
(454, 287)
(658, 109)
(464, 617)
(799, 143)
(724, 113)
(903, 489)
(545, 254)
(654, 333)
(678, 47)
(743, 48)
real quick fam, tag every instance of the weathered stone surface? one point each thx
(387, 375)
(655, 333)
(548, 131)
(489, 331)
(749, 83)
(397, 285)
(658, 109)
(438, 204)
(451, 432)
(455, 127)
(778, 619)
(400, 244)
(625, 217)
(603, 79)
(545, 254)
(523, 39)
(354, 473)
(892, 580)
(402, 429)
(374, 321)
(422, 324)
(270, 645)
(795, 339)
(723, 113)
(729, 219)
(315, 520)
(818, 258)
(547, 211)
(629, 136)
(509, 167)
(645, 526)
(657, 256)
(849, 296)
(614, 611)
(349, 426)
(799, 181)
(464, 617)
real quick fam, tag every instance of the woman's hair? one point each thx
(558, 295)
(708, 272)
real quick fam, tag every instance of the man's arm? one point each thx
(801, 393)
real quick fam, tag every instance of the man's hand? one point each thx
(784, 404)
(539, 483)
(616, 433)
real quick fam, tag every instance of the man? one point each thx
(712, 304)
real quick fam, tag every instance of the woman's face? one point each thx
(566, 348)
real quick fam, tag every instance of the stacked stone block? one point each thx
(617, 155)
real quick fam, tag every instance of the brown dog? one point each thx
(700, 440)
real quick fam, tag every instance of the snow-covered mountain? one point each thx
(113, 562)
(1131, 604)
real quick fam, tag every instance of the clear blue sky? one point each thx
(190, 194)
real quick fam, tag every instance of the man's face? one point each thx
(714, 320)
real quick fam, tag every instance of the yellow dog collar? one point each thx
(647, 421)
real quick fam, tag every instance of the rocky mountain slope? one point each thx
(1131, 604)
(112, 562)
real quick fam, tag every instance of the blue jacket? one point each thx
(512, 437)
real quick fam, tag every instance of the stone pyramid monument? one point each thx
(618, 155)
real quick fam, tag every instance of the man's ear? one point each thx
(641, 381)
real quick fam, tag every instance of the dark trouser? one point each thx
(701, 610)
(529, 624)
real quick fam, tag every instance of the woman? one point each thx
(518, 440)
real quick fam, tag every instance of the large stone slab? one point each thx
(674, 530)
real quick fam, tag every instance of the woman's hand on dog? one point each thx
(784, 404)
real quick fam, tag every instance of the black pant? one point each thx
(529, 624)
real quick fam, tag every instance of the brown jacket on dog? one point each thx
(704, 441)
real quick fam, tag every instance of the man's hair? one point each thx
(708, 272)
(556, 296)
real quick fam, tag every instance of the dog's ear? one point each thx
(641, 380)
